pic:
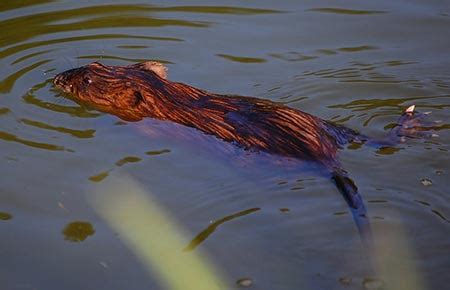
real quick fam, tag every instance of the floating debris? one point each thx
(284, 210)
(244, 282)
(426, 182)
(439, 172)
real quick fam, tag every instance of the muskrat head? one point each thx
(113, 89)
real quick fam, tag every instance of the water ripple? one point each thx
(82, 134)
(8, 83)
(347, 11)
(28, 45)
(127, 59)
(107, 16)
(5, 136)
(10, 5)
(75, 111)
(50, 22)
(242, 59)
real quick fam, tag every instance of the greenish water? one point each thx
(358, 63)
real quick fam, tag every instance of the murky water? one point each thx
(358, 64)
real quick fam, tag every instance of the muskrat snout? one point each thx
(61, 82)
(58, 81)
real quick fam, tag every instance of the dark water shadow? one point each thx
(203, 235)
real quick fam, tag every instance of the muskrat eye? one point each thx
(87, 81)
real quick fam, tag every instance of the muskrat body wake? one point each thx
(143, 91)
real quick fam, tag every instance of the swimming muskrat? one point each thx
(142, 90)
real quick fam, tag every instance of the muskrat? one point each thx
(142, 90)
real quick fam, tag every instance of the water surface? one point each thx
(356, 63)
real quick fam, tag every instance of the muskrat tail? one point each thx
(349, 191)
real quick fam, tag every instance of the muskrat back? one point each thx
(143, 90)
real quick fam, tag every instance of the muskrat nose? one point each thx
(57, 81)
(60, 82)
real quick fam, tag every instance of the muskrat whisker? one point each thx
(68, 62)
(77, 53)
(103, 50)
(51, 74)
(59, 100)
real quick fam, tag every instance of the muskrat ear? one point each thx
(154, 66)
(96, 63)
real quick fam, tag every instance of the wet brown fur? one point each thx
(135, 92)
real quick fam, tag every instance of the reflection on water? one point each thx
(78, 231)
(89, 133)
(346, 11)
(4, 111)
(128, 159)
(125, 160)
(242, 59)
(9, 5)
(388, 150)
(5, 136)
(99, 177)
(106, 57)
(7, 83)
(31, 45)
(94, 17)
(154, 237)
(292, 56)
(106, 16)
(76, 111)
(4, 216)
(202, 236)
(157, 152)
(359, 65)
